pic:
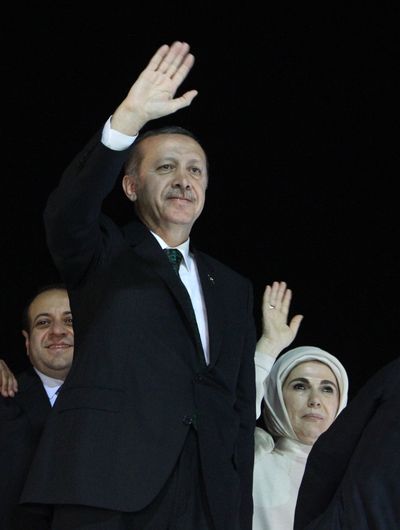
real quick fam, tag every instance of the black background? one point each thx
(297, 112)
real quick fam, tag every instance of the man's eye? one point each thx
(41, 323)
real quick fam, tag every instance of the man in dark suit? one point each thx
(49, 342)
(154, 428)
(351, 480)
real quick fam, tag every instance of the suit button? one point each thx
(198, 378)
(187, 420)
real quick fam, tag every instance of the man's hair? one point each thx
(26, 324)
(135, 157)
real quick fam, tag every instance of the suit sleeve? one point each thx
(15, 453)
(246, 396)
(73, 221)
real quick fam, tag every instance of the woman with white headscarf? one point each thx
(302, 391)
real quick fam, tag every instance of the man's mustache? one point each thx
(176, 194)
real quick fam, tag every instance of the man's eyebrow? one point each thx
(44, 314)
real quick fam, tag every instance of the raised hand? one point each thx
(153, 93)
(8, 383)
(277, 334)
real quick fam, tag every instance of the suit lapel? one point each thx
(147, 247)
(214, 305)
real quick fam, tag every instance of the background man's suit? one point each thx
(22, 419)
(351, 480)
(139, 381)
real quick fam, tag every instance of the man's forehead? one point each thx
(175, 143)
(50, 302)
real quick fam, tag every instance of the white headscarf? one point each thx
(275, 414)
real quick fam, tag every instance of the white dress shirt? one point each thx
(114, 139)
(190, 277)
(51, 385)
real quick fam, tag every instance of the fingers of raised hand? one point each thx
(267, 303)
(171, 60)
(277, 296)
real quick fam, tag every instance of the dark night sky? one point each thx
(297, 111)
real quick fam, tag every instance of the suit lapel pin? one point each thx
(211, 278)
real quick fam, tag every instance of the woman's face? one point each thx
(311, 396)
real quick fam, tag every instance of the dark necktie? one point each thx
(175, 257)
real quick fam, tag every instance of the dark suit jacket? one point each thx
(139, 380)
(352, 476)
(22, 419)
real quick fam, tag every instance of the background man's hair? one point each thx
(58, 286)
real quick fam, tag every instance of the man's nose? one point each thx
(181, 179)
(58, 328)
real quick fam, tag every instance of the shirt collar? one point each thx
(49, 382)
(183, 247)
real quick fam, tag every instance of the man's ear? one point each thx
(129, 186)
(25, 334)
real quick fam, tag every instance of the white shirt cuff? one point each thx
(114, 139)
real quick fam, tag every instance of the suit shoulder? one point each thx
(221, 268)
(9, 409)
(386, 375)
(27, 378)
